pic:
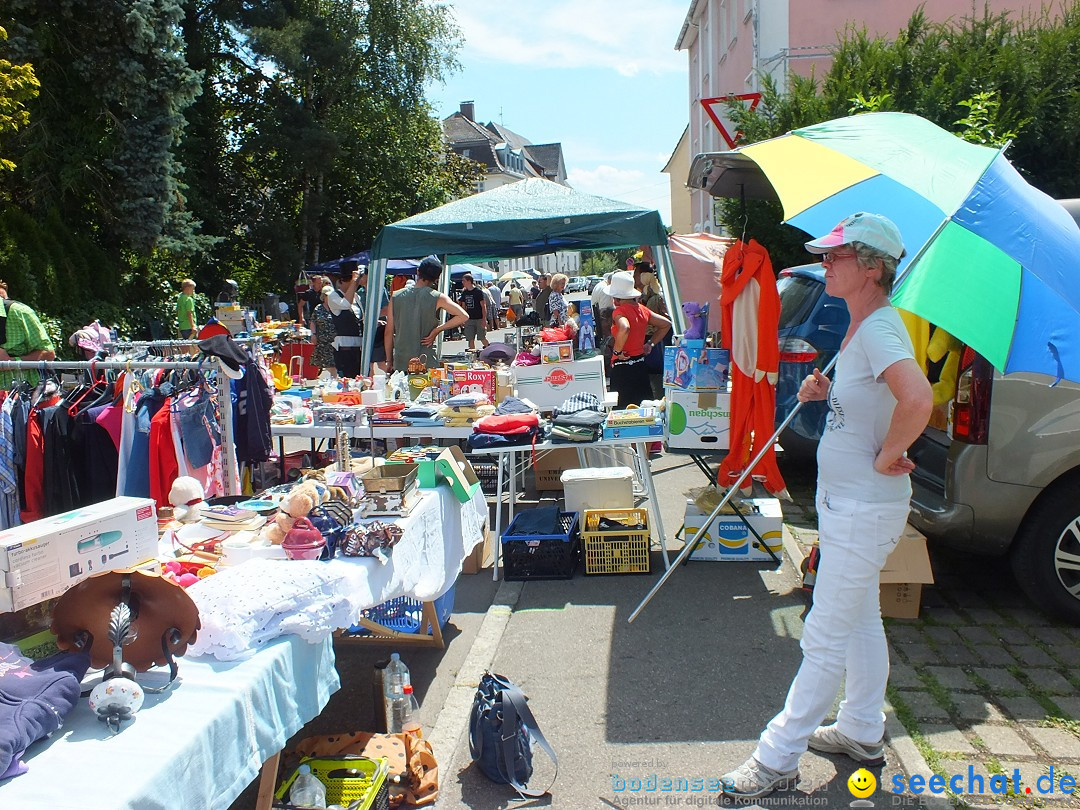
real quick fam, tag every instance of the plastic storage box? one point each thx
(348, 778)
(405, 615)
(598, 488)
(542, 556)
(620, 550)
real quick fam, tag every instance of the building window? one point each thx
(465, 153)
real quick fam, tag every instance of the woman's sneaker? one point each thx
(829, 740)
(752, 779)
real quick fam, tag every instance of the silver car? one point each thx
(1006, 477)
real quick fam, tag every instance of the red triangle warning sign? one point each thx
(732, 140)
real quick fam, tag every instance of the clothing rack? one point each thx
(170, 344)
(210, 363)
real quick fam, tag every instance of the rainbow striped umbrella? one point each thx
(990, 258)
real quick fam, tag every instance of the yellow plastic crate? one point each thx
(347, 778)
(616, 551)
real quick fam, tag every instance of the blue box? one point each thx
(635, 431)
(691, 366)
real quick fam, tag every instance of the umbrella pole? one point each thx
(692, 542)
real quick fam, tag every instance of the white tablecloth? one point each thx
(243, 607)
(195, 746)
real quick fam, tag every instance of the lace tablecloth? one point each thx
(242, 608)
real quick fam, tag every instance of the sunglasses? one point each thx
(831, 257)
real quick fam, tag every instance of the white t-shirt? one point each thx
(600, 297)
(860, 410)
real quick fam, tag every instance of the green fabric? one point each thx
(415, 315)
(966, 286)
(526, 218)
(900, 145)
(25, 334)
(185, 306)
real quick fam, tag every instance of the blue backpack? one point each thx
(501, 731)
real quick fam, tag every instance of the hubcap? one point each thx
(1067, 558)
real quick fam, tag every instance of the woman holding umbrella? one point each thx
(879, 404)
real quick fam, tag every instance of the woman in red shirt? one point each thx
(629, 323)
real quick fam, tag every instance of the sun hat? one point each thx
(328, 289)
(622, 285)
(871, 229)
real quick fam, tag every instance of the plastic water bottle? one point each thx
(307, 790)
(408, 718)
(395, 678)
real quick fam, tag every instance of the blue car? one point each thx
(812, 326)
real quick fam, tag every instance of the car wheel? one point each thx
(1046, 553)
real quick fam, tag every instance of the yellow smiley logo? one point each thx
(861, 783)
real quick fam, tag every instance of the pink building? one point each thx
(731, 42)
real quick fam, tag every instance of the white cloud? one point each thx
(628, 36)
(646, 189)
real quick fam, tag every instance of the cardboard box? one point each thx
(549, 386)
(551, 464)
(43, 559)
(906, 570)
(691, 366)
(697, 420)
(473, 380)
(557, 351)
(451, 466)
(482, 556)
(729, 540)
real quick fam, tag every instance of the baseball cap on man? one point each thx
(871, 229)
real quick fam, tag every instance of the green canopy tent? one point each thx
(526, 218)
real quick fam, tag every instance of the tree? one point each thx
(18, 85)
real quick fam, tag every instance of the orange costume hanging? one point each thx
(750, 317)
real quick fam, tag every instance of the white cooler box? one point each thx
(598, 488)
(728, 539)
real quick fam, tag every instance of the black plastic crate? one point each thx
(539, 556)
(487, 471)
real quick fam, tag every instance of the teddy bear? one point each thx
(187, 497)
(697, 319)
(297, 503)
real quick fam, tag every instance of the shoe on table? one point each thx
(752, 779)
(830, 740)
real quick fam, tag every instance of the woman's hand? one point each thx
(814, 387)
(893, 466)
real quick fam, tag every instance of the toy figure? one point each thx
(697, 320)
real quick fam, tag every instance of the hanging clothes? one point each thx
(163, 465)
(137, 481)
(95, 458)
(750, 321)
(251, 415)
(9, 480)
(60, 483)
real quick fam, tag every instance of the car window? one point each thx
(798, 295)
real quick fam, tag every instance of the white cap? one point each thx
(622, 285)
(871, 229)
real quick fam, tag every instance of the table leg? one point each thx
(513, 487)
(498, 514)
(654, 502)
(281, 457)
(267, 783)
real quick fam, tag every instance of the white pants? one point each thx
(843, 631)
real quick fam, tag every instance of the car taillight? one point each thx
(796, 350)
(971, 405)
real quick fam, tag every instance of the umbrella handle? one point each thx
(692, 542)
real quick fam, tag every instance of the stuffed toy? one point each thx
(697, 320)
(186, 497)
(297, 502)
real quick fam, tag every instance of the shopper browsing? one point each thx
(556, 304)
(185, 309)
(630, 320)
(475, 303)
(879, 403)
(412, 324)
(348, 318)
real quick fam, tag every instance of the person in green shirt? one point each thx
(22, 337)
(185, 309)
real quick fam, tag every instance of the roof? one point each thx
(526, 218)
(508, 135)
(550, 157)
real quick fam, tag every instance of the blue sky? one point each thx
(602, 77)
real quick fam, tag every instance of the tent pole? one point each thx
(444, 288)
(372, 297)
(666, 273)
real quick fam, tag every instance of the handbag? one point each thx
(501, 733)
